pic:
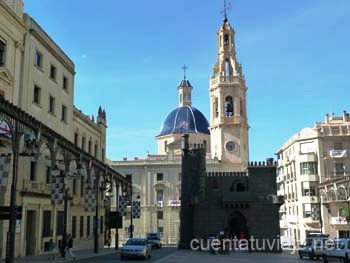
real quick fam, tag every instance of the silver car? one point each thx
(136, 247)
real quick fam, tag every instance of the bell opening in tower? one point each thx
(228, 106)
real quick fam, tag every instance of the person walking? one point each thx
(51, 249)
(69, 247)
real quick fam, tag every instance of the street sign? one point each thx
(115, 220)
(5, 212)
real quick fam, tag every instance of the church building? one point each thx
(240, 194)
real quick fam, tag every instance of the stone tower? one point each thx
(228, 115)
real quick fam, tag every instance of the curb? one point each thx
(87, 257)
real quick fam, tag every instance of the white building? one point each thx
(312, 169)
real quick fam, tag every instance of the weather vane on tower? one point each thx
(227, 7)
(184, 67)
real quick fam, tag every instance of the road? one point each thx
(115, 257)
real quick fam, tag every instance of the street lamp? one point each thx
(56, 173)
(30, 144)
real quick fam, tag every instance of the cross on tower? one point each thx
(184, 67)
(227, 7)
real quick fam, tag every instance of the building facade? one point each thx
(38, 77)
(297, 180)
(312, 176)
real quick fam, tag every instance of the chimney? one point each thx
(327, 118)
(345, 115)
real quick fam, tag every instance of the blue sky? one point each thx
(128, 57)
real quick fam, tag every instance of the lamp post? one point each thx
(30, 143)
(56, 172)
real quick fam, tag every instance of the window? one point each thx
(101, 224)
(226, 39)
(338, 146)
(82, 186)
(159, 195)
(228, 106)
(74, 226)
(308, 189)
(52, 104)
(159, 214)
(216, 107)
(53, 72)
(38, 59)
(74, 186)
(160, 230)
(47, 223)
(65, 83)
(165, 146)
(308, 208)
(81, 234)
(159, 177)
(2, 94)
(83, 140)
(205, 144)
(241, 107)
(241, 187)
(48, 174)
(103, 155)
(76, 138)
(308, 168)
(59, 227)
(32, 171)
(2, 53)
(339, 169)
(96, 150)
(36, 96)
(88, 226)
(89, 147)
(227, 69)
(64, 113)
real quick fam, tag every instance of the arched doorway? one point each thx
(237, 226)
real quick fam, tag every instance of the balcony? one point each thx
(226, 80)
(281, 192)
(339, 154)
(283, 223)
(280, 178)
(291, 218)
(36, 187)
(339, 221)
(337, 175)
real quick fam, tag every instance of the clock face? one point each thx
(230, 146)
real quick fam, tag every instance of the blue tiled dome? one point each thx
(185, 119)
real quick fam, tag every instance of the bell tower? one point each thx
(228, 91)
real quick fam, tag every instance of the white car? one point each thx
(136, 247)
(340, 251)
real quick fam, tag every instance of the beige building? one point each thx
(312, 176)
(37, 76)
(156, 179)
(334, 188)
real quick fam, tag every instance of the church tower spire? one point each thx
(185, 90)
(228, 116)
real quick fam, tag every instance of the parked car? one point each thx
(136, 247)
(154, 239)
(313, 246)
(340, 251)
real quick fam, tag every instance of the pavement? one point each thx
(171, 255)
(80, 254)
(188, 256)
